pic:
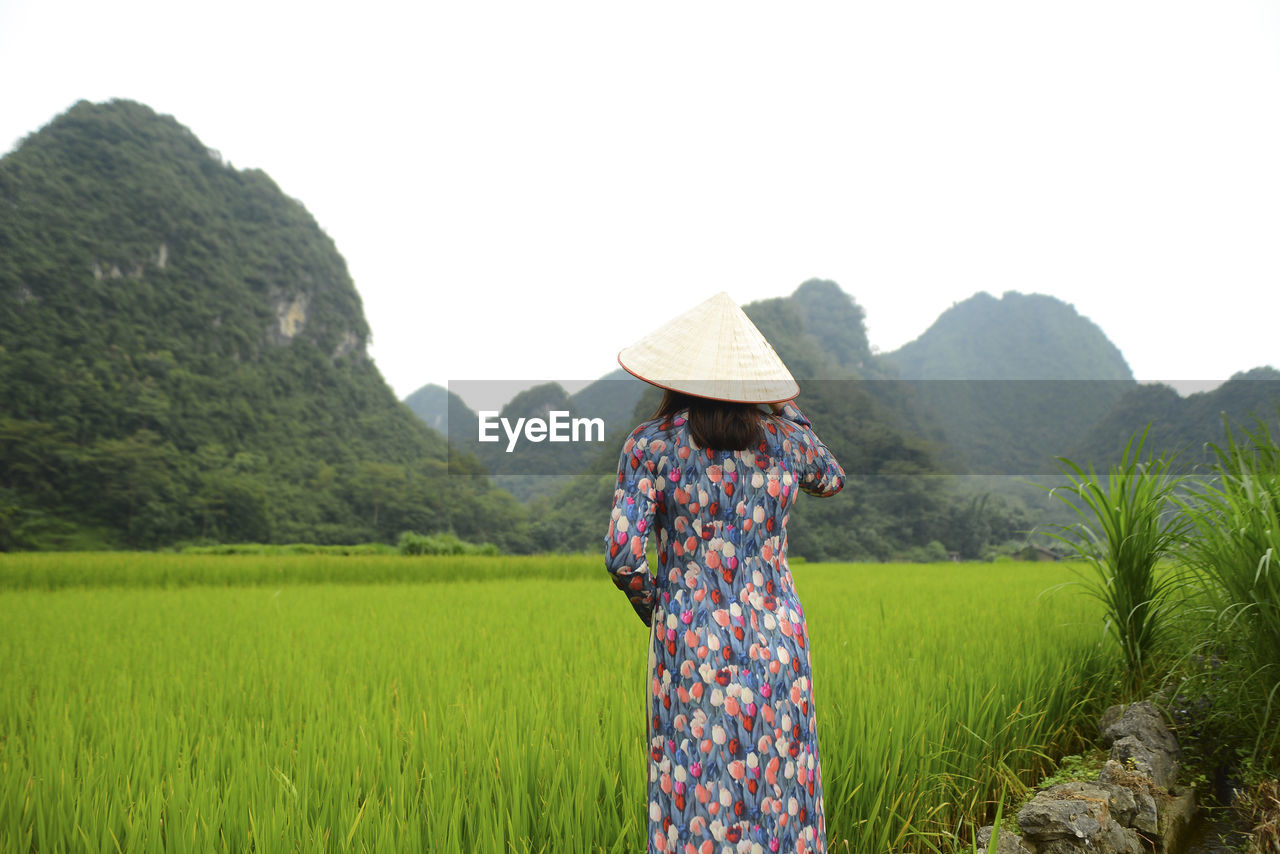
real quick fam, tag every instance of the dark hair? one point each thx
(716, 424)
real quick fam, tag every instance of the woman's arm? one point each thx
(820, 472)
(634, 500)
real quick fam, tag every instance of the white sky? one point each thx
(520, 189)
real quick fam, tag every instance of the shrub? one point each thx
(441, 544)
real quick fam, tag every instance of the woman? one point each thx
(733, 748)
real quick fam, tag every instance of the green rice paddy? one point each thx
(386, 703)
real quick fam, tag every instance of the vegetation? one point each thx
(1015, 336)
(182, 355)
(232, 702)
(1013, 381)
(1186, 426)
(182, 358)
(441, 544)
(1235, 553)
(1185, 568)
(289, 549)
(265, 567)
(1128, 528)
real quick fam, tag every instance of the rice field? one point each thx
(387, 703)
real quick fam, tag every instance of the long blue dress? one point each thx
(733, 744)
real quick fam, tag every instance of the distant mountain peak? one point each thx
(1018, 336)
(151, 204)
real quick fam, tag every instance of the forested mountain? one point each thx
(1013, 381)
(436, 405)
(1182, 425)
(613, 397)
(1016, 337)
(182, 356)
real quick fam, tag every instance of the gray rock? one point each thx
(1145, 814)
(1079, 817)
(1160, 765)
(1122, 840)
(1148, 815)
(1143, 721)
(1120, 802)
(1114, 839)
(1007, 843)
(1142, 741)
(1049, 816)
(1109, 717)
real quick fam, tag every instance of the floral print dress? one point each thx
(732, 738)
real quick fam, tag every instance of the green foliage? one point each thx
(182, 358)
(1076, 767)
(1188, 426)
(1235, 554)
(837, 322)
(1128, 526)
(441, 544)
(932, 552)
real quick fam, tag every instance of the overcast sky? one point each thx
(521, 189)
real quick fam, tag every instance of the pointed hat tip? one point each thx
(713, 351)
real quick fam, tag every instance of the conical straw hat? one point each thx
(713, 351)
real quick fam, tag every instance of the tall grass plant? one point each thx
(1128, 526)
(1235, 556)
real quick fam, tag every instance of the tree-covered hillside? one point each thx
(182, 356)
(613, 397)
(1013, 381)
(441, 410)
(1181, 425)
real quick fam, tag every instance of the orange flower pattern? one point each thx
(733, 743)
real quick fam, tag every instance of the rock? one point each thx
(1176, 816)
(1131, 808)
(1064, 846)
(1049, 816)
(1142, 741)
(1143, 721)
(1143, 791)
(1120, 802)
(1109, 717)
(1122, 840)
(1007, 843)
(1160, 766)
(1082, 817)
(1113, 839)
